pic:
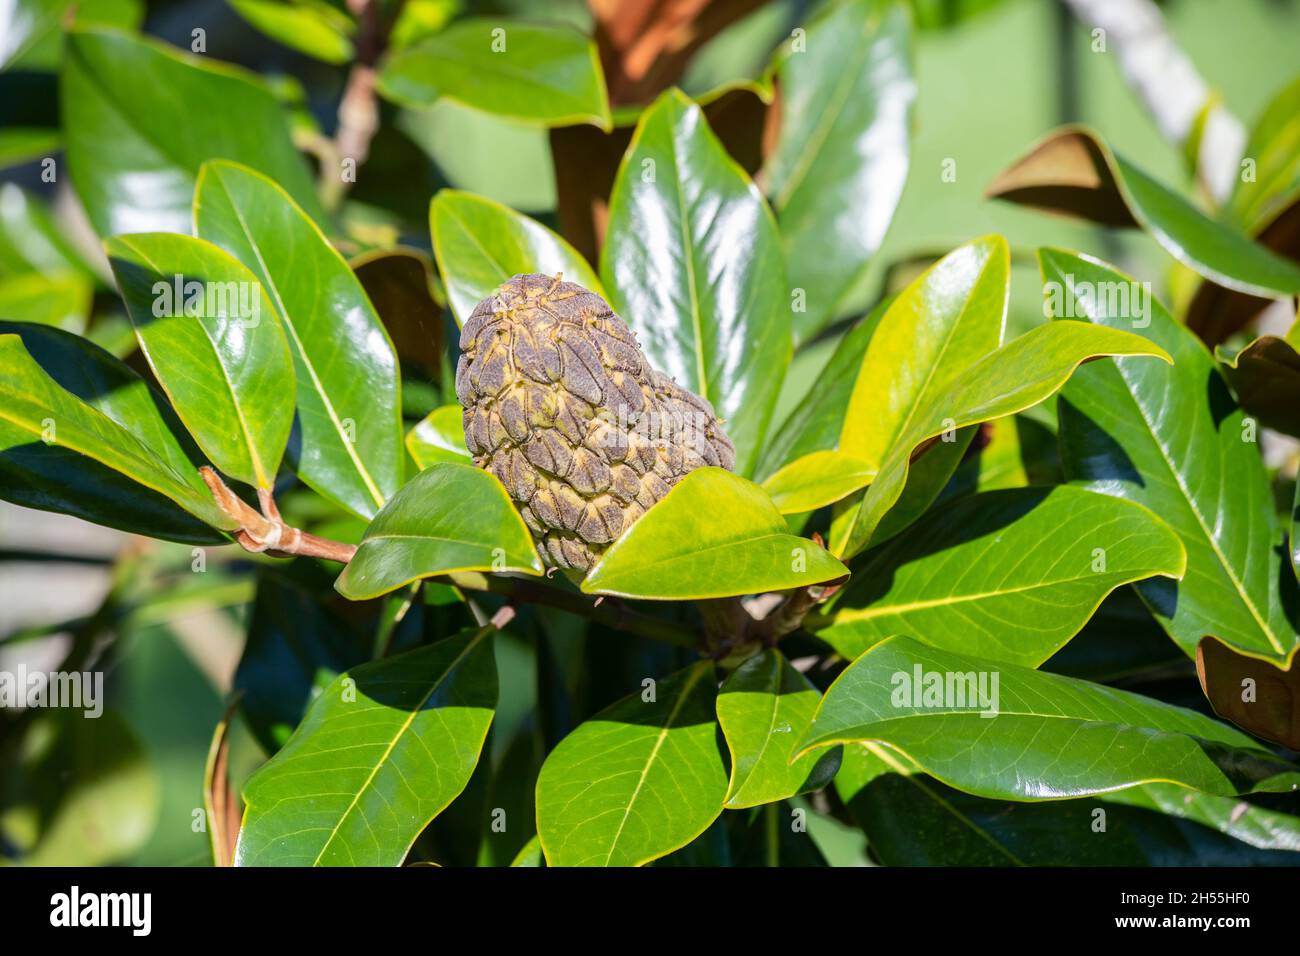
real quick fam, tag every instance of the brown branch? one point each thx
(266, 532)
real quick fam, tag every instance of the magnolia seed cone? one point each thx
(562, 406)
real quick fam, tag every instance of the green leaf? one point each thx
(638, 780)
(447, 518)
(764, 709)
(32, 31)
(737, 545)
(61, 299)
(1045, 736)
(1171, 438)
(840, 161)
(692, 260)
(913, 820)
(296, 644)
(440, 437)
(1073, 171)
(82, 434)
(815, 422)
(480, 244)
(542, 73)
(1274, 145)
(309, 26)
(945, 321)
(1013, 378)
(227, 370)
(381, 752)
(29, 239)
(530, 855)
(816, 480)
(129, 111)
(1265, 376)
(1008, 575)
(26, 144)
(1010, 453)
(349, 444)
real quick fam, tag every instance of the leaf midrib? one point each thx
(254, 458)
(273, 287)
(406, 725)
(654, 753)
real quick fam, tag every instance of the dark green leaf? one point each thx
(1171, 438)
(129, 111)
(1039, 737)
(82, 434)
(1009, 575)
(692, 262)
(637, 781)
(837, 172)
(348, 446)
(213, 340)
(382, 751)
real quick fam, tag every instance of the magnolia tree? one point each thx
(653, 526)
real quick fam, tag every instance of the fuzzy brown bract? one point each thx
(562, 406)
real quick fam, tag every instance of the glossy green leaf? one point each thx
(837, 171)
(913, 820)
(480, 244)
(1074, 172)
(1015, 377)
(693, 264)
(349, 441)
(944, 322)
(309, 26)
(449, 517)
(381, 752)
(227, 369)
(1007, 575)
(1172, 438)
(1044, 737)
(439, 437)
(542, 73)
(764, 708)
(129, 111)
(61, 300)
(736, 544)
(82, 434)
(815, 422)
(1265, 376)
(640, 779)
(32, 31)
(816, 480)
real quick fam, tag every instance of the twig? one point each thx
(266, 532)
